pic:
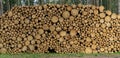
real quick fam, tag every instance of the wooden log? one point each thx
(96, 12)
(27, 21)
(33, 16)
(107, 19)
(108, 12)
(102, 20)
(113, 16)
(102, 15)
(3, 50)
(71, 18)
(62, 33)
(54, 19)
(52, 28)
(19, 46)
(37, 36)
(118, 16)
(19, 39)
(31, 47)
(73, 32)
(74, 12)
(69, 8)
(84, 13)
(27, 43)
(1, 45)
(45, 27)
(30, 37)
(101, 8)
(24, 48)
(10, 13)
(102, 49)
(88, 50)
(40, 31)
(66, 14)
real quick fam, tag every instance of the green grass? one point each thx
(46, 55)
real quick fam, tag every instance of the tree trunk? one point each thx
(28, 2)
(118, 5)
(1, 7)
(8, 4)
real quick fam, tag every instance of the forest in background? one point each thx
(8, 4)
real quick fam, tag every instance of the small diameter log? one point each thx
(113, 16)
(54, 19)
(88, 39)
(32, 41)
(107, 19)
(19, 46)
(61, 39)
(95, 12)
(27, 43)
(62, 33)
(40, 7)
(93, 7)
(19, 39)
(45, 6)
(33, 16)
(88, 50)
(102, 49)
(3, 50)
(92, 34)
(61, 19)
(66, 14)
(45, 27)
(102, 15)
(71, 42)
(30, 37)
(101, 8)
(58, 6)
(118, 16)
(31, 47)
(37, 36)
(84, 13)
(40, 31)
(16, 21)
(14, 38)
(52, 28)
(24, 48)
(58, 29)
(73, 32)
(10, 13)
(71, 18)
(102, 20)
(108, 12)
(27, 21)
(97, 25)
(1, 45)
(73, 6)
(79, 5)
(103, 25)
(108, 24)
(94, 46)
(69, 8)
(74, 12)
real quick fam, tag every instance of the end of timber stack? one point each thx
(60, 29)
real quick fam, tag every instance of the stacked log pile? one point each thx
(59, 28)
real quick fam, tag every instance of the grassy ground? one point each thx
(53, 55)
